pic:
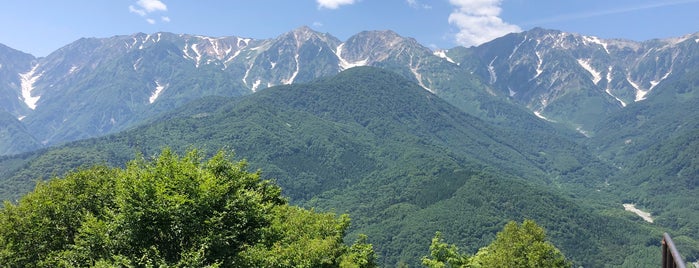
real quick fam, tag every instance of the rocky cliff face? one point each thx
(577, 79)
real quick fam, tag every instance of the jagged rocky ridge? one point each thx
(96, 86)
(577, 79)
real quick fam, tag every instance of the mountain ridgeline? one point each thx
(97, 86)
(556, 127)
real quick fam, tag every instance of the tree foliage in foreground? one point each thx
(516, 245)
(171, 212)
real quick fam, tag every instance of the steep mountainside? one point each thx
(576, 79)
(654, 144)
(94, 86)
(14, 137)
(13, 64)
(403, 162)
(97, 86)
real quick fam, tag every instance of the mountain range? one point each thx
(558, 127)
(96, 86)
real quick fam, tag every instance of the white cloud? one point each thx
(152, 5)
(478, 21)
(140, 12)
(317, 24)
(334, 4)
(417, 5)
(145, 7)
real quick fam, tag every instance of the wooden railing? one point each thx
(671, 257)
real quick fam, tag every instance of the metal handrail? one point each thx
(671, 257)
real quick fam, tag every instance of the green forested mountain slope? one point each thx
(400, 160)
(655, 145)
(14, 137)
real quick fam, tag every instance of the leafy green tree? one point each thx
(360, 255)
(171, 212)
(520, 246)
(514, 246)
(443, 255)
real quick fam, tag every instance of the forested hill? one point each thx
(400, 160)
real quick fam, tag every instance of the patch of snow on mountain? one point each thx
(656, 82)
(516, 48)
(185, 52)
(225, 63)
(609, 87)
(344, 64)
(544, 103)
(247, 72)
(133, 44)
(158, 89)
(539, 64)
(296, 72)
(72, 69)
(27, 81)
(273, 63)
(137, 64)
(196, 51)
(443, 54)
(585, 133)
(144, 41)
(491, 71)
(244, 41)
(696, 40)
(640, 93)
(21, 117)
(596, 40)
(596, 76)
(512, 93)
(417, 75)
(538, 114)
(256, 84)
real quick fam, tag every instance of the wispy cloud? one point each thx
(140, 12)
(145, 7)
(152, 5)
(478, 21)
(612, 11)
(334, 4)
(417, 5)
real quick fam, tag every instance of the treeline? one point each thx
(171, 212)
(185, 211)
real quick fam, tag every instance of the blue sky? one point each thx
(42, 26)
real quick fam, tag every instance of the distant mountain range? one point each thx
(93, 86)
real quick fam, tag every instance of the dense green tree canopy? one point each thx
(171, 212)
(516, 245)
